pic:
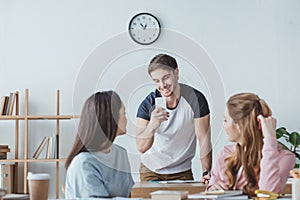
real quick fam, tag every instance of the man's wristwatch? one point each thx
(205, 173)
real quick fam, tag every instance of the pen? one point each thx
(293, 174)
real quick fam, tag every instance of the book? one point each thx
(218, 194)
(55, 146)
(9, 103)
(41, 147)
(16, 196)
(49, 148)
(178, 181)
(4, 149)
(12, 103)
(4, 102)
(169, 195)
(2, 105)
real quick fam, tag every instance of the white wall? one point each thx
(44, 46)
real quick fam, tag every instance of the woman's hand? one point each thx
(206, 177)
(219, 185)
(268, 125)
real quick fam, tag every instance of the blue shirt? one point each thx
(97, 174)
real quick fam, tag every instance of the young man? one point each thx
(167, 137)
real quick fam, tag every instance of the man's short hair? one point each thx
(162, 61)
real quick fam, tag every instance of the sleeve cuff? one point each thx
(270, 143)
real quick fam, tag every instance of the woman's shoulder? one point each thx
(82, 157)
(227, 150)
(119, 149)
(81, 161)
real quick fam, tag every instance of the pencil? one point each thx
(293, 174)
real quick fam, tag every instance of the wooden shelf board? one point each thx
(47, 160)
(32, 160)
(11, 117)
(48, 117)
(39, 117)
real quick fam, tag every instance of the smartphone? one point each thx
(161, 102)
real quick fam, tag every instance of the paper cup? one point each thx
(38, 186)
(296, 188)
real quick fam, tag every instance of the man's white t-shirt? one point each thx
(175, 140)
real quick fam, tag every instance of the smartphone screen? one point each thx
(161, 102)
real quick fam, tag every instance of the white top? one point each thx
(97, 174)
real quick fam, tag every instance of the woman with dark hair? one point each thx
(95, 166)
(255, 160)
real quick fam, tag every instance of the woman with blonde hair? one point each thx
(96, 167)
(255, 160)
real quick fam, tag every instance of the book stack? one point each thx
(169, 195)
(51, 146)
(3, 151)
(7, 104)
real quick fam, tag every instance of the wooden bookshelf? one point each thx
(26, 118)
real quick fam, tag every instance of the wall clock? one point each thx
(144, 28)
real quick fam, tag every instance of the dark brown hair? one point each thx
(244, 108)
(162, 61)
(98, 124)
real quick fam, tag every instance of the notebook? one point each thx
(169, 195)
(179, 181)
(219, 194)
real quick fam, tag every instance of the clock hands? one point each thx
(144, 27)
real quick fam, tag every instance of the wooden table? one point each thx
(288, 188)
(143, 189)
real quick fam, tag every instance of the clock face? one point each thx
(144, 28)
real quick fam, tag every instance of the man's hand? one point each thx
(146, 129)
(158, 116)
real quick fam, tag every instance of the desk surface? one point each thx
(143, 189)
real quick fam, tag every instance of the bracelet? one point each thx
(205, 173)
